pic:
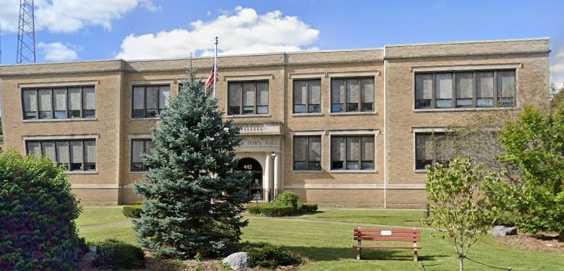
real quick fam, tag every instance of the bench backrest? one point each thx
(387, 234)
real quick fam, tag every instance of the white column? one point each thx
(266, 177)
(276, 173)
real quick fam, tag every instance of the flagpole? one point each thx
(215, 67)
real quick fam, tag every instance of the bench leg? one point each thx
(358, 250)
(415, 252)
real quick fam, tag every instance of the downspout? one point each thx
(385, 132)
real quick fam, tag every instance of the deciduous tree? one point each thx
(460, 207)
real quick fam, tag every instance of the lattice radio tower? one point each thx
(26, 33)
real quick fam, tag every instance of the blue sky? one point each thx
(70, 30)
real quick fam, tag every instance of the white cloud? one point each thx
(242, 31)
(71, 15)
(557, 68)
(57, 51)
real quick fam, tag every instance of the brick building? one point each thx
(343, 128)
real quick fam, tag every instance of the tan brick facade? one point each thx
(268, 138)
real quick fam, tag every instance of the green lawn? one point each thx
(325, 239)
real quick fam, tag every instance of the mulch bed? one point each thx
(540, 242)
(153, 264)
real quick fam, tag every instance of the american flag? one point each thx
(211, 78)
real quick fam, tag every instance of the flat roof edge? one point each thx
(468, 42)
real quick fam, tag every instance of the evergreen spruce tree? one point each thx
(193, 194)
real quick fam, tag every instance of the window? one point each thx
(506, 88)
(431, 148)
(424, 90)
(59, 103)
(248, 98)
(352, 95)
(75, 97)
(139, 147)
(465, 89)
(89, 103)
(443, 95)
(307, 96)
(485, 89)
(73, 155)
(307, 152)
(149, 101)
(45, 106)
(352, 152)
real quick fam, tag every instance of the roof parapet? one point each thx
(469, 48)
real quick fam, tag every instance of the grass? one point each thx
(325, 239)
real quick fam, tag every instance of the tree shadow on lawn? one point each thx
(342, 253)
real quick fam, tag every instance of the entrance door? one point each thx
(253, 166)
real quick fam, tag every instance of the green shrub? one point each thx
(534, 150)
(37, 213)
(118, 255)
(308, 208)
(269, 209)
(286, 204)
(270, 256)
(506, 219)
(289, 199)
(131, 211)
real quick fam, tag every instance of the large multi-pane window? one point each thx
(73, 154)
(352, 152)
(248, 97)
(307, 152)
(59, 102)
(352, 95)
(149, 100)
(307, 96)
(465, 89)
(139, 148)
(432, 148)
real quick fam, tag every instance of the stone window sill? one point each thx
(462, 109)
(57, 120)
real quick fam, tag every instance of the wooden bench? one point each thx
(384, 234)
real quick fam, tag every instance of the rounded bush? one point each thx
(118, 255)
(37, 213)
(269, 256)
(132, 211)
(288, 199)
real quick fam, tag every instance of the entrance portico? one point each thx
(262, 143)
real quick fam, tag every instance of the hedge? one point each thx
(268, 209)
(286, 204)
(308, 208)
